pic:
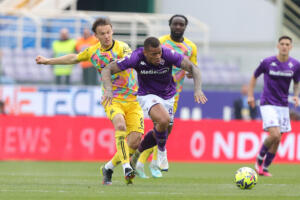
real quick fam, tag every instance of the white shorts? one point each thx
(148, 101)
(276, 116)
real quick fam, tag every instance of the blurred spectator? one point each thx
(2, 108)
(294, 115)
(62, 47)
(0, 62)
(241, 107)
(90, 74)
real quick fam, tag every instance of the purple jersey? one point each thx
(152, 79)
(277, 79)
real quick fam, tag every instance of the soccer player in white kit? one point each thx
(278, 72)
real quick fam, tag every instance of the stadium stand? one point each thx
(292, 15)
(27, 34)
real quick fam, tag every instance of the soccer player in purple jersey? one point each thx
(157, 88)
(176, 41)
(278, 72)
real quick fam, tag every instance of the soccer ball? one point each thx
(245, 178)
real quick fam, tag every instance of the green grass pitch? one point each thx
(184, 181)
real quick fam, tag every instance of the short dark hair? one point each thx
(285, 37)
(102, 21)
(151, 42)
(177, 15)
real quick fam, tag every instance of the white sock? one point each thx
(126, 165)
(259, 157)
(139, 165)
(109, 165)
(154, 162)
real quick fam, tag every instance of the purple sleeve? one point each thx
(128, 61)
(296, 76)
(260, 69)
(173, 57)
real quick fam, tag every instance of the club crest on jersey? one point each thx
(291, 64)
(142, 63)
(162, 62)
(273, 64)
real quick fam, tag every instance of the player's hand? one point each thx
(296, 101)
(189, 75)
(107, 98)
(200, 97)
(251, 101)
(41, 60)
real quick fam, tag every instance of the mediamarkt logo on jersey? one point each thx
(159, 71)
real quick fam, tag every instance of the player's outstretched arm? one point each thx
(196, 74)
(63, 60)
(251, 99)
(106, 73)
(296, 94)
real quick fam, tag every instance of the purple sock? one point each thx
(269, 159)
(148, 142)
(263, 150)
(161, 139)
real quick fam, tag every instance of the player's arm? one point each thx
(251, 99)
(259, 70)
(195, 72)
(296, 94)
(106, 73)
(63, 60)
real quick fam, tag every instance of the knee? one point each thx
(277, 138)
(134, 139)
(164, 122)
(120, 127)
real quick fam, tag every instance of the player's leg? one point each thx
(135, 127)
(285, 126)
(169, 106)
(153, 106)
(109, 166)
(120, 135)
(155, 136)
(166, 107)
(270, 155)
(162, 119)
(116, 114)
(141, 163)
(269, 150)
(155, 171)
(271, 124)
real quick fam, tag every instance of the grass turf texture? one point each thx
(82, 180)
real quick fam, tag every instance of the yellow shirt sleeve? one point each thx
(125, 49)
(193, 58)
(86, 54)
(162, 39)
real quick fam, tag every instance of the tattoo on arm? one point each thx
(106, 73)
(187, 65)
(194, 70)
